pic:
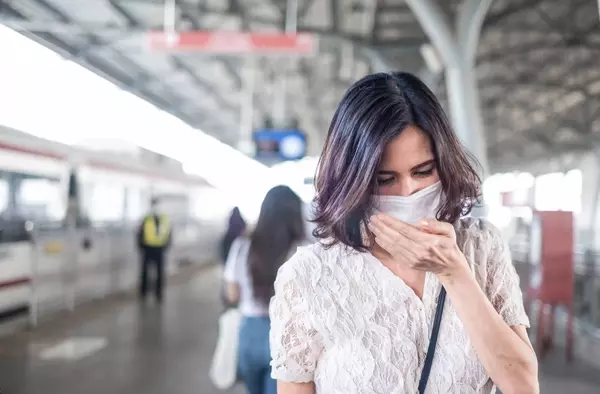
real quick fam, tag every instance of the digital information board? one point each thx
(276, 145)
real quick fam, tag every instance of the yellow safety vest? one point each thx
(152, 236)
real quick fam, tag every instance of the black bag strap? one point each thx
(432, 341)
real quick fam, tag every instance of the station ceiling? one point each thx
(539, 80)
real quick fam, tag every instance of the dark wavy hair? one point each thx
(235, 229)
(373, 112)
(280, 226)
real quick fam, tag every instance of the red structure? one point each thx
(231, 42)
(552, 278)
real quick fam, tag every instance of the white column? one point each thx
(245, 143)
(457, 50)
(587, 223)
(587, 220)
(465, 114)
(280, 105)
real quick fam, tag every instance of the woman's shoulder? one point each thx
(241, 242)
(483, 245)
(308, 262)
(307, 257)
(479, 240)
(479, 231)
(242, 239)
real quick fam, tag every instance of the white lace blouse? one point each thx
(343, 320)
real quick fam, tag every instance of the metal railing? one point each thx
(586, 302)
(69, 268)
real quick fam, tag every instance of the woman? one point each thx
(250, 272)
(354, 313)
(235, 229)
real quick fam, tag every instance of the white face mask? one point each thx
(410, 209)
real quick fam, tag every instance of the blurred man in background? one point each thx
(154, 238)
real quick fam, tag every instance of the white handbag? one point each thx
(223, 369)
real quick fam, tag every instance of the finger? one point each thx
(384, 243)
(436, 227)
(383, 238)
(392, 241)
(381, 229)
(393, 236)
(394, 249)
(398, 226)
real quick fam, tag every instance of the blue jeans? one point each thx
(254, 356)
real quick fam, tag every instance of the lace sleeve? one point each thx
(295, 344)
(503, 282)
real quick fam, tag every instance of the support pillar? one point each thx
(245, 144)
(431, 71)
(280, 105)
(587, 226)
(457, 47)
(465, 114)
(587, 220)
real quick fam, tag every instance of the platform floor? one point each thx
(119, 346)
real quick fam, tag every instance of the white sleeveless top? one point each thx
(343, 320)
(237, 271)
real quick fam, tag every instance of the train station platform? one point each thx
(120, 345)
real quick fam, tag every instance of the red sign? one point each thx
(552, 236)
(557, 249)
(233, 42)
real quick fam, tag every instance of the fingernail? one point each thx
(424, 223)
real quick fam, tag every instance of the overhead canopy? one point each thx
(538, 78)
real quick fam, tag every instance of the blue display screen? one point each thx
(282, 143)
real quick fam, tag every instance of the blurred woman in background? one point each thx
(235, 229)
(250, 273)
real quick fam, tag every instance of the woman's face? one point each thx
(407, 166)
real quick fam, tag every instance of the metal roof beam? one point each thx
(304, 8)
(495, 18)
(66, 27)
(530, 134)
(377, 10)
(551, 126)
(177, 63)
(523, 108)
(509, 164)
(555, 83)
(104, 70)
(334, 11)
(186, 12)
(567, 40)
(324, 32)
(532, 77)
(138, 84)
